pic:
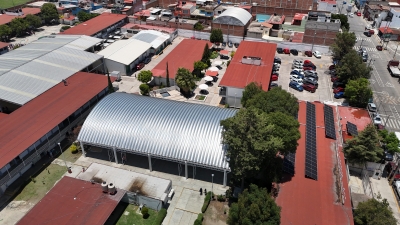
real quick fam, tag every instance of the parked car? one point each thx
(223, 44)
(274, 78)
(308, 53)
(296, 86)
(339, 95)
(334, 78)
(371, 107)
(297, 66)
(294, 52)
(230, 45)
(365, 57)
(310, 80)
(309, 87)
(300, 71)
(367, 33)
(311, 73)
(219, 67)
(296, 79)
(377, 119)
(275, 73)
(236, 45)
(388, 156)
(338, 89)
(379, 47)
(368, 27)
(273, 85)
(337, 84)
(358, 13)
(332, 67)
(307, 68)
(286, 51)
(277, 60)
(298, 61)
(279, 50)
(310, 65)
(351, 15)
(140, 66)
(224, 57)
(332, 72)
(317, 54)
(147, 60)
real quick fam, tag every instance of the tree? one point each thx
(358, 92)
(364, 147)
(185, 80)
(18, 26)
(344, 42)
(145, 76)
(216, 36)
(206, 54)
(198, 26)
(33, 21)
(390, 141)
(84, 16)
(249, 92)
(145, 212)
(49, 13)
(110, 86)
(351, 67)
(374, 212)
(254, 206)
(168, 84)
(74, 134)
(198, 67)
(144, 89)
(5, 32)
(275, 100)
(250, 137)
(343, 20)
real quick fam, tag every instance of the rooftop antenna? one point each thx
(65, 82)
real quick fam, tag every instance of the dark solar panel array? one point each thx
(330, 131)
(352, 129)
(311, 143)
(289, 162)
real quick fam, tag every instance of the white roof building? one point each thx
(153, 37)
(234, 16)
(125, 51)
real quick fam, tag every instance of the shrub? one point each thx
(145, 212)
(73, 149)
(207, 200)
(214, 55)
(65, 27)
(145, 76)
(232, 54)
(200, 216)
(227, 63)
(144, 89)
(160, 216)
(221, 198)
(197, 222)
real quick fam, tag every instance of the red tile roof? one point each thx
(385, 30)
(307, 201)
(298, 16)
(359, 117)
(149, 27)
(73, 201)
(3, 115)
(4, 44)
(183, 55)
(4, 18)
(211, 73)
(32, 121)
(239, 75)
(95, 25)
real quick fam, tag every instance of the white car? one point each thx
(368, 27)
(277, 65)
(317, 54)
(298, 61)
(351, 15)
(377, 119)
(296, 79)
(297, 66)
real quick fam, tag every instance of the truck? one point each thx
(393, 67)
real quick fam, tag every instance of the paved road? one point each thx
(385, 87)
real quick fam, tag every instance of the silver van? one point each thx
(371, 107)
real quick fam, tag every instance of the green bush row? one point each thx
(207, 200)
(160, 216)
(199, 219)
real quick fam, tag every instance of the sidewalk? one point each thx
(383, 188)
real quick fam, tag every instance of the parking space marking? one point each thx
(377, 77)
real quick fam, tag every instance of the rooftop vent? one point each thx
(251, 60)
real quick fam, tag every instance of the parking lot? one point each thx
(323, 93)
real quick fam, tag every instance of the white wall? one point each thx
(395, 20)
(115, 66)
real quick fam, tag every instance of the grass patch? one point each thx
(68, 156)
(137, 219)
(200, 97)
(5, 4)
(34, 191)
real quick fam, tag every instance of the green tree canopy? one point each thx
(351, 67)
(84, 16)
(145, 76)
(144, 89)
(343, 20)
(5, 32)
(198, 26)
(49, 13)
(33, 20)
(198, 67)
(255, 206)
(249, 92)
(250, 137)
(358, 92)
(364, 147)
(19, 26)
(185, 80)
(206, 54)
(344, 42)
(390, 140)
(374, 212)
(216, 36)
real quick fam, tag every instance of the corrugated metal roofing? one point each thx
(234, 16)
(34, 68)
(171, 130)
(125, 51)
(153, 37)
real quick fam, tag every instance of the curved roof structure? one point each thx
(166, 129)
(234, 16)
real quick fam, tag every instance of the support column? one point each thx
(150, 166)
(225, 177)
(83, 150)
(186, 170)
(115, 155)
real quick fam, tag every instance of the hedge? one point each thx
(160, 216)
(199, 219)
(207, 200)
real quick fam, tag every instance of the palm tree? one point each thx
(185, 80)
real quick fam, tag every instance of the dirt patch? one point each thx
(215, 213)
(97, 180)
(14, 211)
(137, 187)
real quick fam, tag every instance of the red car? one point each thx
(308, 62)
(334, 78)
(286, 51)
(379, 47)
(358, 13)
(274, 77)
(308, 53)
(140, 66)
(309, 87)
(338, 89)
(307, 68)
(332, 67)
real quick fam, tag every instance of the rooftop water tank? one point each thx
(111, 188)
(104, 187)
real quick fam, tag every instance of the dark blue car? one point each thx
(296, 86)
(339, 95)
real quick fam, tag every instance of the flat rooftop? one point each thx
(150, 186)
(357, 116)
(73, 201)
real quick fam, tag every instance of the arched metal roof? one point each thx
(171, 130)
(234, 16)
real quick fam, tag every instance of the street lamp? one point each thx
(212, 185)
(59, 145)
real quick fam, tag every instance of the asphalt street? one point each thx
(385, 87)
